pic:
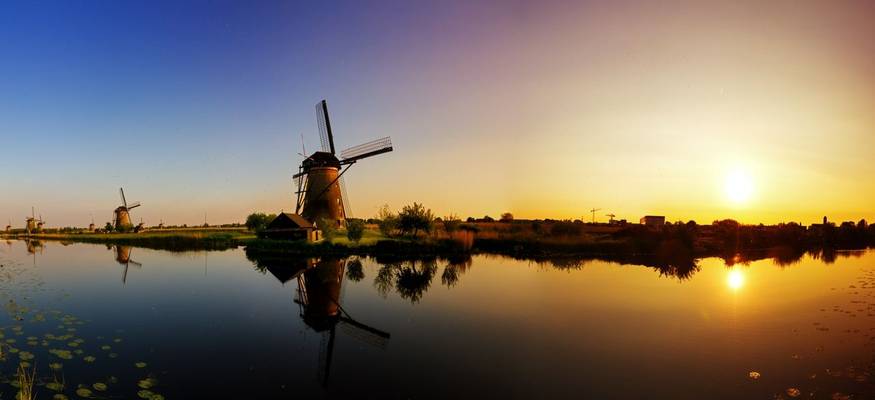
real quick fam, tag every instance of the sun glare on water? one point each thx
(735, 279)
(739, 186)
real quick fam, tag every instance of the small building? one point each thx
(653, 220)
(292, 227)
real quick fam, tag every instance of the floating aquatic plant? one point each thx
(84, 392)
(89, 359)
(147, 383)
(99, 386)
(140, 365)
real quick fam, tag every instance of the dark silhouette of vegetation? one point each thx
(354, 270)
(415, 218)
(355, 229)
(257, 222)
(387, 220)
(506, 217)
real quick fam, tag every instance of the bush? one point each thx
(451, 223)
(355, 228)
(327, 226)
(506, 217)
(388, 221)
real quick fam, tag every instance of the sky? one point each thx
(689, 109)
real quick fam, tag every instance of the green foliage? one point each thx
(108, 227)
(388, 221)
(257, 222)
(327, 226)
(355, 228)
(415, 218)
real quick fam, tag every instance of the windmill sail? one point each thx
(365, 150)
(324, 123)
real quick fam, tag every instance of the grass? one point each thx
(25, 383)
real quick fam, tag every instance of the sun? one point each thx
(739, 186)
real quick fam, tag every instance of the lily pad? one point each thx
(89, 359)
(105, 347)
(140, 365)
(147, 383)
(99, 386)
(55, 386)
(84, 392)
(56, 366)
(793, 392)
(59, 396)
(145, 394)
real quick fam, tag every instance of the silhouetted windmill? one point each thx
(320, 192)
(9, 226)
(91, 225)
(123, 212)
(593, 213)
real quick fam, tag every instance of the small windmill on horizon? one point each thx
(32, 223)
(320, 193)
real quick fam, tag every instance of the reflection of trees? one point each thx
(411, 279)
(354, 270)
(456, 266)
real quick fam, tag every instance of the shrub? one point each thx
(506, 217)
(388, 221)
(451, 223)
(257, 222)
(355, 228)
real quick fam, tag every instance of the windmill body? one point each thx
(319, 181)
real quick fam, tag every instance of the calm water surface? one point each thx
(222, 325)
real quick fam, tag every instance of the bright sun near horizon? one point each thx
(739, 187)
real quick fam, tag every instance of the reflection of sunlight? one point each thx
(735, 279)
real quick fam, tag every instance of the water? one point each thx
(223, 325)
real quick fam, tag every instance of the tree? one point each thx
(506, 217)
(415, 218)
(388, 221)
(108, 227)
(327, 226)
(257, 222)
(355, 229)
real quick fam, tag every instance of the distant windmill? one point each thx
(593, 213)
(122, 212)
(320, 192)
(91, 225)
(9, 226)
(32, 224)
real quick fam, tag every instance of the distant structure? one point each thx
(91, 225)
(653, 220)
(40, 223)
(319, 192)
(122, 213)
(161, 224)
(9, 226)
(32, 224)
(292, 227)
(593, 211)
(611, 218)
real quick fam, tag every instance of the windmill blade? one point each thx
(365, 150)
(134, 205)
(344, 198)
(324, 124)
(122, 192)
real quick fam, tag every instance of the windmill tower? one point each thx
(320, 195)
(91, 225)
(9, 226)
(122, 212)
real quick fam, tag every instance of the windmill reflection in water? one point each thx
(123, 257)
(319, 295)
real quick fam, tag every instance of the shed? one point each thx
(292, 227)
(653, 220)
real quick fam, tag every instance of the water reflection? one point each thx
(319, 296)
(735, 279)
(123, 257)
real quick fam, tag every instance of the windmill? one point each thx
(91, 225)
(9, 226)
(32, 224)
(122, 212)
(320, 192)
(593, 213)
